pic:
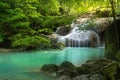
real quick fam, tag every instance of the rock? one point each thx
(79, 38)
(66, 64)
(53, 36)
(82, 77)
(102, 24)
(97, 77)
(54, 41)
(90, 77)
(64, 30)
(106, 67)
(64, 78)
(111, 40)
(49, 68)
(67, 69)
(102, 69)
(109, 71)
(85, 69)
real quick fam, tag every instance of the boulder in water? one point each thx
(67, 69)
(102, 69)
(49, 68)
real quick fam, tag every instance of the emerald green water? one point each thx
(26, 65)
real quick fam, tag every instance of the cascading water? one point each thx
(80, 38)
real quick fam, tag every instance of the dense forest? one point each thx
(25, 23)
(30, 24)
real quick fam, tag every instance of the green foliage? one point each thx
(86, 25)
(3, 5)
(54, 21)
(25, 22)
(24, 41)
(118, 9)
(45, 31)
(49, 7)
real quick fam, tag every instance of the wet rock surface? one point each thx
(49, 68)
(63, 30)
(103, 69)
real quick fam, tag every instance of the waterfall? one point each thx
(80, 38)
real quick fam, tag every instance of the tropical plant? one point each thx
(87, 25)
(29, 39)
(35, 18)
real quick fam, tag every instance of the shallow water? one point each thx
(26, 65)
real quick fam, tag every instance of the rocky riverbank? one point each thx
(4, 50)
(103, 69)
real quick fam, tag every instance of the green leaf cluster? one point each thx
(87, 25)
(29, 39)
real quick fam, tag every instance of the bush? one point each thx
(26, 40)
(55, 21)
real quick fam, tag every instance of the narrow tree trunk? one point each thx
(112, 2)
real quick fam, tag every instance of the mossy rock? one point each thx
(67, 69)
(97, 77)
(93, 66)
(49, 68)
(105, 67)
(55, 44)
(90, 77)
(109, 71)
(67, 64)
(85, 69)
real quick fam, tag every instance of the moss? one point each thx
(67, 69)
(111, 40)
(109, 71)
(49, 68)
(85, 69)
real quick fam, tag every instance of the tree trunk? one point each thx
(113, 5)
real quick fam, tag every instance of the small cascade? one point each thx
(80, 38)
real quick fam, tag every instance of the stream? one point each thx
(26, 65)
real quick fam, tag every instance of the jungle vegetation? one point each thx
(25, 23)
